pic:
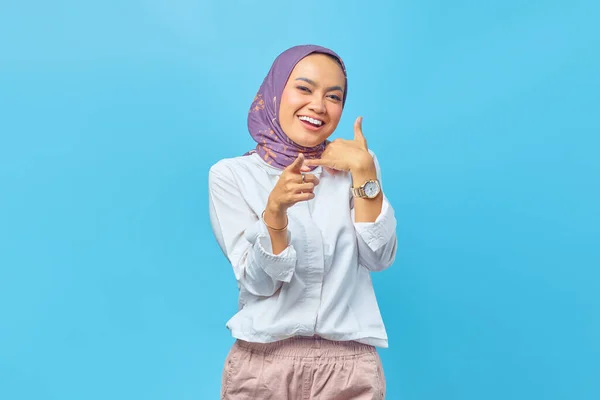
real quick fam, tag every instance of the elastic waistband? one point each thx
(308, 347)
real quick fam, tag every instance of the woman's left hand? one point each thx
(346, 155)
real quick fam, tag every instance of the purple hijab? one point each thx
(274, 147)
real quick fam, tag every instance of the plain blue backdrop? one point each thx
(485, 118)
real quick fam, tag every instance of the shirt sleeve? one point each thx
(244, 239)
(377, 241)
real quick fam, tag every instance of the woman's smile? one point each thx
(310, 123)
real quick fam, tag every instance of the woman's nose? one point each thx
(317, 106)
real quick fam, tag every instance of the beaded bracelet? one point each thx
(275, 229)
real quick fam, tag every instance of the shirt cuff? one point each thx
(377, 234)
(278, 266)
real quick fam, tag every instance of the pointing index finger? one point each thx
(296, 165)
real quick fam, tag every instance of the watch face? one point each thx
(371, 189)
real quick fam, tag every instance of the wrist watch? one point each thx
(369, 190)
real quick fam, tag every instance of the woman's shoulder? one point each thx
(237, 167)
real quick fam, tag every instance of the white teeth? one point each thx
(312, 120)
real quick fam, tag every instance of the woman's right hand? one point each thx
(291, 189)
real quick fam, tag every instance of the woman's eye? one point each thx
(304, 88)
(335, 97)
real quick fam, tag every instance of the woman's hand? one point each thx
(292, 187)
(347, 155)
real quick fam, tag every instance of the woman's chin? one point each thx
(307, 140)
(310, 144)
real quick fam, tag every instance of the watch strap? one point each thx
(359, 192)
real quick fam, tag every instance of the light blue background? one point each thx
(484, 116)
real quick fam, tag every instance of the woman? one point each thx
(303, 221)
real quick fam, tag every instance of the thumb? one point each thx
(296, 165)
(358, 133)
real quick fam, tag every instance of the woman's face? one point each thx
(311, 103)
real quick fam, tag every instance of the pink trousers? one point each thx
(303, 369)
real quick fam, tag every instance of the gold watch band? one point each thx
(359, 192)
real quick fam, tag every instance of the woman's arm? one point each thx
(374, 222)
(244, 238)
(291, 187)
(374, 219)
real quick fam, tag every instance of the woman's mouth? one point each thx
(312, 124)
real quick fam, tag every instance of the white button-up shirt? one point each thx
(320, 284)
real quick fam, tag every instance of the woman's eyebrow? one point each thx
(329, 89)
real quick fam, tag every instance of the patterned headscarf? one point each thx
(274, 146)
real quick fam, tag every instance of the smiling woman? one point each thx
(311, 102)
(303, 222)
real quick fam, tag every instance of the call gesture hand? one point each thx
(346, 155)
